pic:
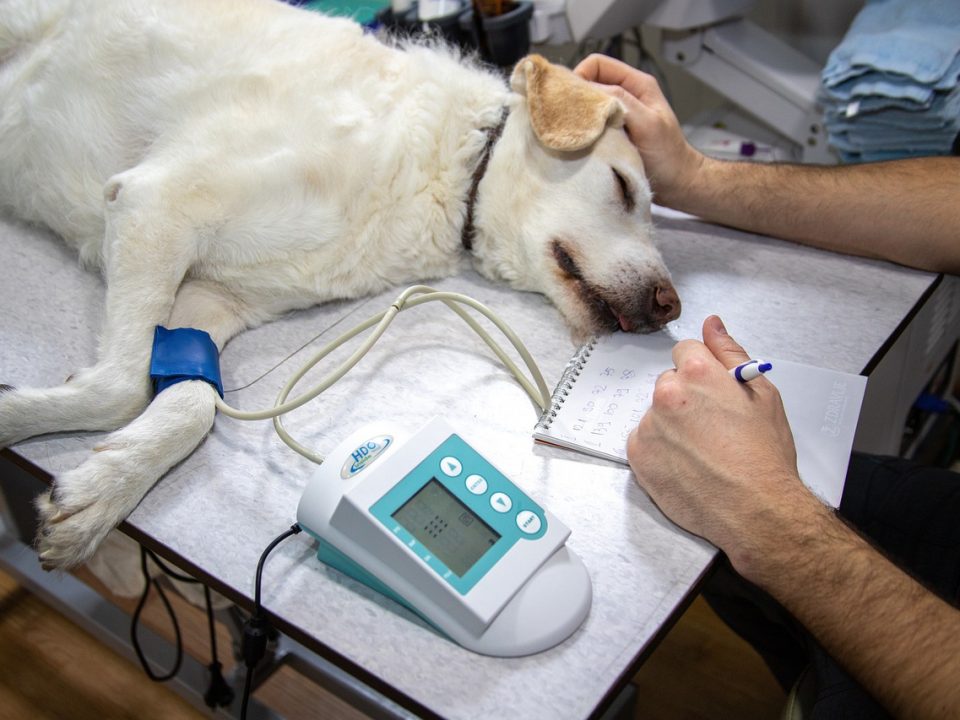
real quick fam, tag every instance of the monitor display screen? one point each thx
(446, 527)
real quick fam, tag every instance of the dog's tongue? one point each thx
(625, 323)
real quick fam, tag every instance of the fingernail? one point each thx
(718, 325)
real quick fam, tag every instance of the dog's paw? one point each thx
(66, 541)
(84, 505)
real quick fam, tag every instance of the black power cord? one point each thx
(219, 693)
(256, 631)
(135, 622)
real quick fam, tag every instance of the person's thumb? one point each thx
(724, 348)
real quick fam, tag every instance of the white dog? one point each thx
(225, 161)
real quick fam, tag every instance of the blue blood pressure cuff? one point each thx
(184, 354)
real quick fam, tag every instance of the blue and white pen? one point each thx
(751, 370)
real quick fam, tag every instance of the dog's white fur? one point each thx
(225, 161)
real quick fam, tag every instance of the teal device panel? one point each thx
(459, 514)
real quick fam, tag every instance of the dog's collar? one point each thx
(493, 134)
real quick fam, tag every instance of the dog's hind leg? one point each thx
(87, 502)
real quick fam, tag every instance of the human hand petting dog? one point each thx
(670, 161)
(716, 455)
(863, 209)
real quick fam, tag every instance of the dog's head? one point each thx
(564, 208)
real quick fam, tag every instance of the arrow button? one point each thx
(450, 466)
(501, 502)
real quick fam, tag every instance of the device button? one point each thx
(476, 484)
(451, 466)
(528, 521)
(501, 502)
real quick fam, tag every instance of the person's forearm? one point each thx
(904, 211)
(898, 639)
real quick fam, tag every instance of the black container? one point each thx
(504, 39)
(387, 20)
(408, 23)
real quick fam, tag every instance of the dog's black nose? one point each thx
(666, 304)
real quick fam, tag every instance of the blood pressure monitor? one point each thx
(428, 521)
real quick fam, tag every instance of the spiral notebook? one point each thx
(606, 388)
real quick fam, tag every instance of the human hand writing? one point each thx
(716, 455)
(670, 161)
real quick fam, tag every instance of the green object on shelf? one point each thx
(363, 11)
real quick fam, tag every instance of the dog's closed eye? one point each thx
(625, 191)
(564, 261)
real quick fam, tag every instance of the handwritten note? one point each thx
(604, 392)
(607, 387)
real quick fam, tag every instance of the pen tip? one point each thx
(765, 367)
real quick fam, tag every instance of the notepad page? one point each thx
(604, 400)
(609, 387)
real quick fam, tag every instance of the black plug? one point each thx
(253, 646)
(219, 692)
(256, 632)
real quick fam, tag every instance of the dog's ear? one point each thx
(567, 112)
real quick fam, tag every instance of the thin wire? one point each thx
(409, 298)
(309, 342)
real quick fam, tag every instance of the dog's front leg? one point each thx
(149, 245)
(87, 502)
